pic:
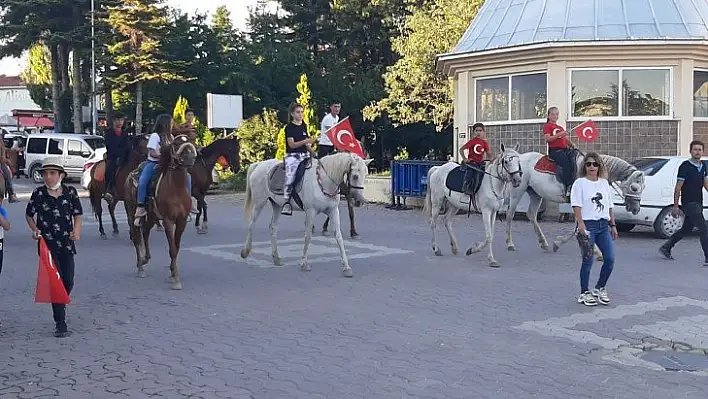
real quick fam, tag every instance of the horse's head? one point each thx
(358, 171)
(229, 149)
(181, 153)
(632, 188)
(510, 165)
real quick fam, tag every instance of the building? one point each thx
(519, 57)
(14, 96)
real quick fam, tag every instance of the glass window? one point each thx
(56, 147)
(492, 99)
(595, 93)
(95, 142)
(649, 165)
(646, 92)
(37, 146)
(528, 96)
(700, 94)
(78, 149)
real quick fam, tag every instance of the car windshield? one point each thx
(649, 165)
(95, 142)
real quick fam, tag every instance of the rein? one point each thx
(338, 192)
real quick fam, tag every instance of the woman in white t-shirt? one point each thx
(591, 199)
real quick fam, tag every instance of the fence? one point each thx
(409, 179)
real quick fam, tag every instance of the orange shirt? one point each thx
(476, 148)
(550, 129)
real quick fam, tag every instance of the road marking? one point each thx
(618, 350)
(290, 251)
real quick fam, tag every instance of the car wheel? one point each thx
(36, 174)
(625, 227)
(665, 225)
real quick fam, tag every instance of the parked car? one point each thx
(74, 149)
(88, 165)
(657, 198)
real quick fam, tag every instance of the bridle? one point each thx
(176, 154)
(338, 192)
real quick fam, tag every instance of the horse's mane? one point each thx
(336, 164)
(617, 168)
(213, 147)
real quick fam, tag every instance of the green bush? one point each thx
(236, 182)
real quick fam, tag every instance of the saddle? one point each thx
(455, 181)
(134, 176)
(276, 179)
(98, 172)
(547, 165)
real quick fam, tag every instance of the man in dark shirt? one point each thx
(58, 211)
(692, 178)
(117, 146)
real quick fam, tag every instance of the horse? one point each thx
(444, 196)
(315, 191)
(171, 203)
(97, 185)
(351, 203)
(541, 183)
(201, 173)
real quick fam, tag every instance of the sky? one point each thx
(238, 8)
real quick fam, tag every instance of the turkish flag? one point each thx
(587, 131)
(50, 288)
(342, 137)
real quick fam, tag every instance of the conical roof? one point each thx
(506, 23)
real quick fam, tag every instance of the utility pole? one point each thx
(94, 107)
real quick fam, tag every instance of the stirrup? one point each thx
(289, 210)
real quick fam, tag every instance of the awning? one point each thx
(31, 121)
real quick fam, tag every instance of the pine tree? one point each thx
(308, 115)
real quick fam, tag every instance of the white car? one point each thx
(88, 165)
(657, 198)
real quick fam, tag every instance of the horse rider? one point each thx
(560, 148)
(297, 148)
(476, 148)
(117, 147)
(188, 127)
(324, 144)
(5, 169)
(162, 133)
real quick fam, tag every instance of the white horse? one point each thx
(627, 181)
(504, 169)
(319, 194)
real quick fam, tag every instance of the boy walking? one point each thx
(58, 211)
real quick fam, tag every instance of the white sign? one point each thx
(224, 111)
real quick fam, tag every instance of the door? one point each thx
(35, 153)
(77, 154)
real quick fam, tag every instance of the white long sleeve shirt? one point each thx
(327, 122)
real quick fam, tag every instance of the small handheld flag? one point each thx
(342, 137)
(587, 131)
(50, 288)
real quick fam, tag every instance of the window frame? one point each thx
(620, 101)
(693, 80)
(509, 121)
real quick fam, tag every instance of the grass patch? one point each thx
(235, 182)
(384, 173)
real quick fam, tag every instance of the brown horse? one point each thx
(201, 173)
(344, 190)
(171, 204)
(97, 185)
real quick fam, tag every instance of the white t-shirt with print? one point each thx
(154, 144)
(593, 197)
(327, 122)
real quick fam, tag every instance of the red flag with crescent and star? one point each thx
(50, 288)
(342, 137)
(587, 131)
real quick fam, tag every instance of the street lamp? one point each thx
(94, 106)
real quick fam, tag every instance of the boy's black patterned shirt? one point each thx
(55, 216)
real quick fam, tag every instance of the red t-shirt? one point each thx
(550, 129)
(476, 148)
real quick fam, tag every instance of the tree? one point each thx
(139, 26)
(308, 115)
(415, 91)
(257, 137)
(204, 135)
(38, 75)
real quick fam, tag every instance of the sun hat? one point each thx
(53, 163)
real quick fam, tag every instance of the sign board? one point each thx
(224, 111)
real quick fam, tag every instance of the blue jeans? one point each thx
(601, 236)
(146, 177)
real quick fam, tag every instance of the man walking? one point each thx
(324, 145)
(5, 169)
(117, 146)
(691, 179)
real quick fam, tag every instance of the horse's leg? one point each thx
(112, 211)
(177, 231)
(158, 225)
(532, 215)
(205, 225)
(309, 224)
(513, 203)
(169, 226)
(486, 215)
(560, 240)
(257, 208)
(325, 226)
(490, 239)
(352, 227)
(199, 214)
(447, 219)
(99, 215)
(434, 210)
(336, 225)
(273, 229)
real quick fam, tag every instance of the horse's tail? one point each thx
(248, 206)
(428, 204)
(94, 199)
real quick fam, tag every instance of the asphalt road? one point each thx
(408, 324)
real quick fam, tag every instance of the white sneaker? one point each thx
(587, 299)
(601, 295)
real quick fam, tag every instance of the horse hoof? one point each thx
(176, 285)
(555, 247)
(494, 264)
(544, 247)
(244, 253)
(511, 248)
(353, 234)
(104, 237)
(142, 273)
(200, 231)
(277, 261)
(438, 252)
(305, 267)
(455, 251)
(348, 272)
(116, 233)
